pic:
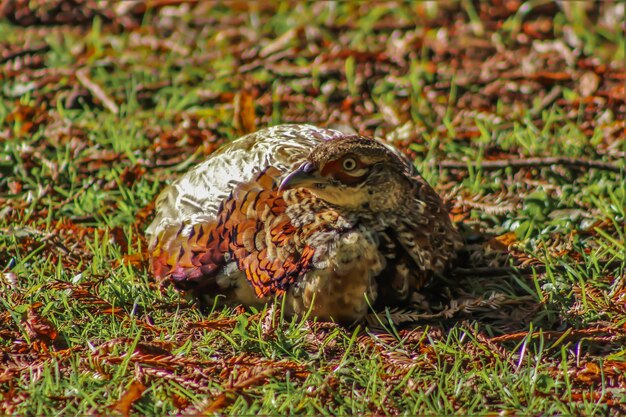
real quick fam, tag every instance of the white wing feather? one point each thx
(196, 196)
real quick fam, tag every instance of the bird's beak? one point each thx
(302, 176)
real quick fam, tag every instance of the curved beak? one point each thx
(298, 178)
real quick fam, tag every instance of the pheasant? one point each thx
(333, 222)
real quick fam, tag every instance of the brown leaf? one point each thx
(135, 259)
(220, 402)
(503, 242)
(245, 117)
(28, 118)
(132, 174)
(119, 237)
(39, 328)
(547, 77)
(180, 402)
(7, 376)
(132, 394)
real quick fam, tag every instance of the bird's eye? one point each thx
(349, 164)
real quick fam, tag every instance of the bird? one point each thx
(331, 224)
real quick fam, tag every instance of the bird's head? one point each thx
(354, 173)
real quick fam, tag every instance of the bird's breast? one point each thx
(342, 282)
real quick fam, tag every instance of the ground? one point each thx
(513, 110)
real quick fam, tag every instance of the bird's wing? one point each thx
(425, 231)
(196, 196)
(252, 230)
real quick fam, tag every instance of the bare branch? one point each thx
(97, 91)
(532, 163)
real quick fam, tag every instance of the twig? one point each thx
(531, 163)
(96, 90)
(525, 270)
(155, 4)
(569, 334)
(498, 271)
(26, 51)
(547, 100)
(496, 207)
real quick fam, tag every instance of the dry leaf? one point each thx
(245, 117)
(39, 328)
(132, 394)
(503, 242)
(220, 402)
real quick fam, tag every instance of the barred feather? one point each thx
(234, 225)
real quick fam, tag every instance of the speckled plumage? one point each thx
(333, 222)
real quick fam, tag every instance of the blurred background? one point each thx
(205, 71)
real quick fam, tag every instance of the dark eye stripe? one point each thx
(348, 179)
(335, 167)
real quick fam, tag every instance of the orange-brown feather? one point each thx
(270, 265)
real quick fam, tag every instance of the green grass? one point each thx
(83, 326)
